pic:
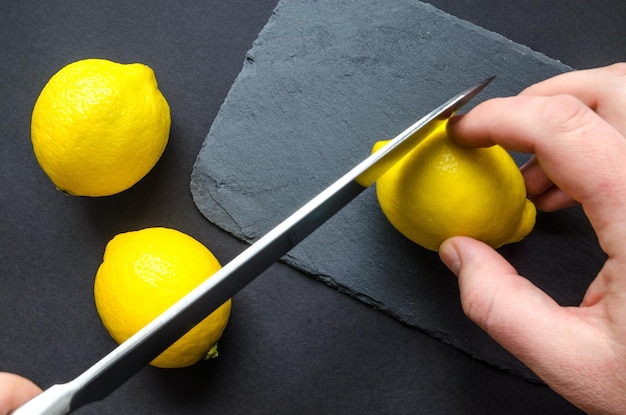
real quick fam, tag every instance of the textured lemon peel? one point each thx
(129, 294)
(442, 189)
(98, 127)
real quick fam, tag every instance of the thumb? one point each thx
(517, 314)
(564, 346)
(15, 391)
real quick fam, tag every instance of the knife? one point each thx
(139, 350)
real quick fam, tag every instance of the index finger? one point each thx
(578, 150)
(601, 89)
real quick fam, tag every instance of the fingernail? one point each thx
(450, 257)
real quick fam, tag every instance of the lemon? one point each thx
(145, 272)
(442, 189)
(98, 126)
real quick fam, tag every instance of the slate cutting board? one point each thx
(326, 79)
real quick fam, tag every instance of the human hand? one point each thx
(15, 391)
(575, 126)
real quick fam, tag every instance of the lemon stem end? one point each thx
(212, 353)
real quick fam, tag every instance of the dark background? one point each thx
(293, 345)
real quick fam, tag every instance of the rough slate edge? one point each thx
(246, 192)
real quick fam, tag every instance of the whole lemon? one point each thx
(98, 126)
(442, 189)
(145, 272)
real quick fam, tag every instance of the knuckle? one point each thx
(565, 114)
(488, 303)
(477, 306)
(618, 69)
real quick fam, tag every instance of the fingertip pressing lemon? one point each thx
(98, 126)
(442, 189)
(145, 272)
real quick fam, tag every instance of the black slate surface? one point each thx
(325, 80)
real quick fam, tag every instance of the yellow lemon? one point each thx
(98, 126)
(145, 272)
(442, 189)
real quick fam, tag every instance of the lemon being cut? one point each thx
(98, 126)
(145, 272)
(442, 189)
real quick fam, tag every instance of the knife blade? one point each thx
(128, 358)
